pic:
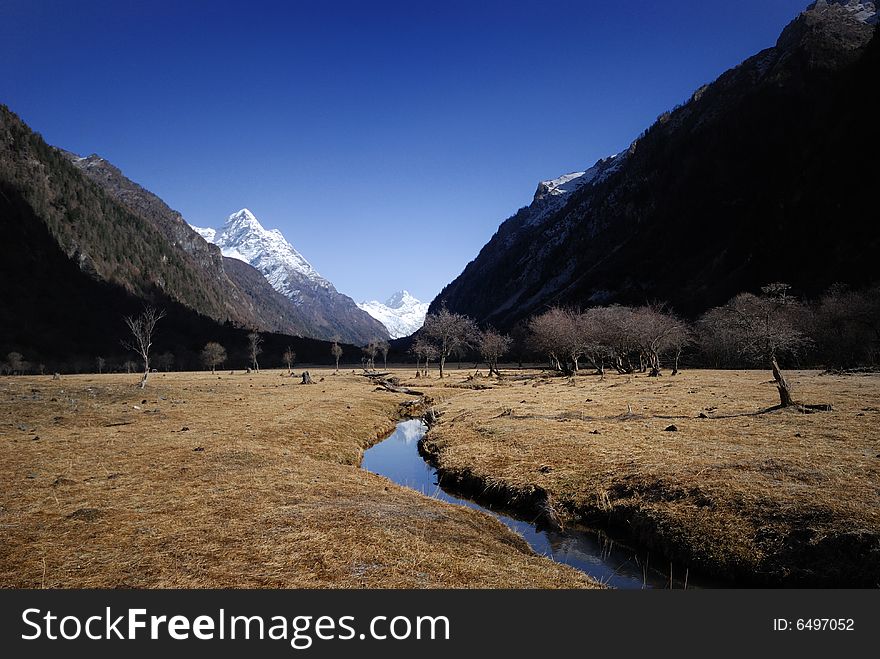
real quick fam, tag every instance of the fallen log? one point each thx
(390, 386)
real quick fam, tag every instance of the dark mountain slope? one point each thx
(319, 311)
(276, 311)
(101, 236)
(118, 232)
(763, 175)
(58, 315)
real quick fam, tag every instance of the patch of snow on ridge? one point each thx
(208, 234)
(551, 195)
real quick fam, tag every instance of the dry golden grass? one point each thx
(781, 497)
(228, 481)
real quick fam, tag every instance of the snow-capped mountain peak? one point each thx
(242, 237)
(401, 299)
(402, 313)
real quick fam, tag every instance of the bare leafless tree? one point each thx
(164, 361)
(431, 354)
(657, 331)
(370, 351)
(383, 350)
(493, 346)
(417, 349)
(595, 327)
(142, 328)
(213, 354)
(255, 348)
(100, 362)
(549, 335)
(846, 326)
(622, 333)
(521, 339)
(336, 351)
(762, 329)
(289, 358)
(423, 350)
(717, 338)
(448, 332)
(681, 336)
(564, 335)
(15, 363)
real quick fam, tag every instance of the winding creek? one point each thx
(592, 552)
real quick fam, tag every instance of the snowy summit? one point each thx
(402, 314)
(244, 238)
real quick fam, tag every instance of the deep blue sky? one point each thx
(386, 140)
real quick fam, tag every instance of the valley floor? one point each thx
(212, 481)
(694, 467)
(252, 480)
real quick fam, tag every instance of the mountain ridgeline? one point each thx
(763, 175)
(133, 249)
(306, 304)
(61, 317)
(326, 312)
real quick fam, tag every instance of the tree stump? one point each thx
(307, 378)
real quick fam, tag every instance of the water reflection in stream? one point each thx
(398, 459)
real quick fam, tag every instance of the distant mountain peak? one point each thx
(401, 314)
(243, 216)
(243, 237)
(400, 299)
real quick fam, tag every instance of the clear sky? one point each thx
(386, 140)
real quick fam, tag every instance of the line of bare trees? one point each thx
(446, 334)
(840, 329)
(752, 330)
(627, 339)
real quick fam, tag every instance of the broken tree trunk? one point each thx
(785, 399)
(307, 378)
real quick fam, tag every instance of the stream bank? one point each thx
(404, 457)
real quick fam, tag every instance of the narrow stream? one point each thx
(593, 552)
